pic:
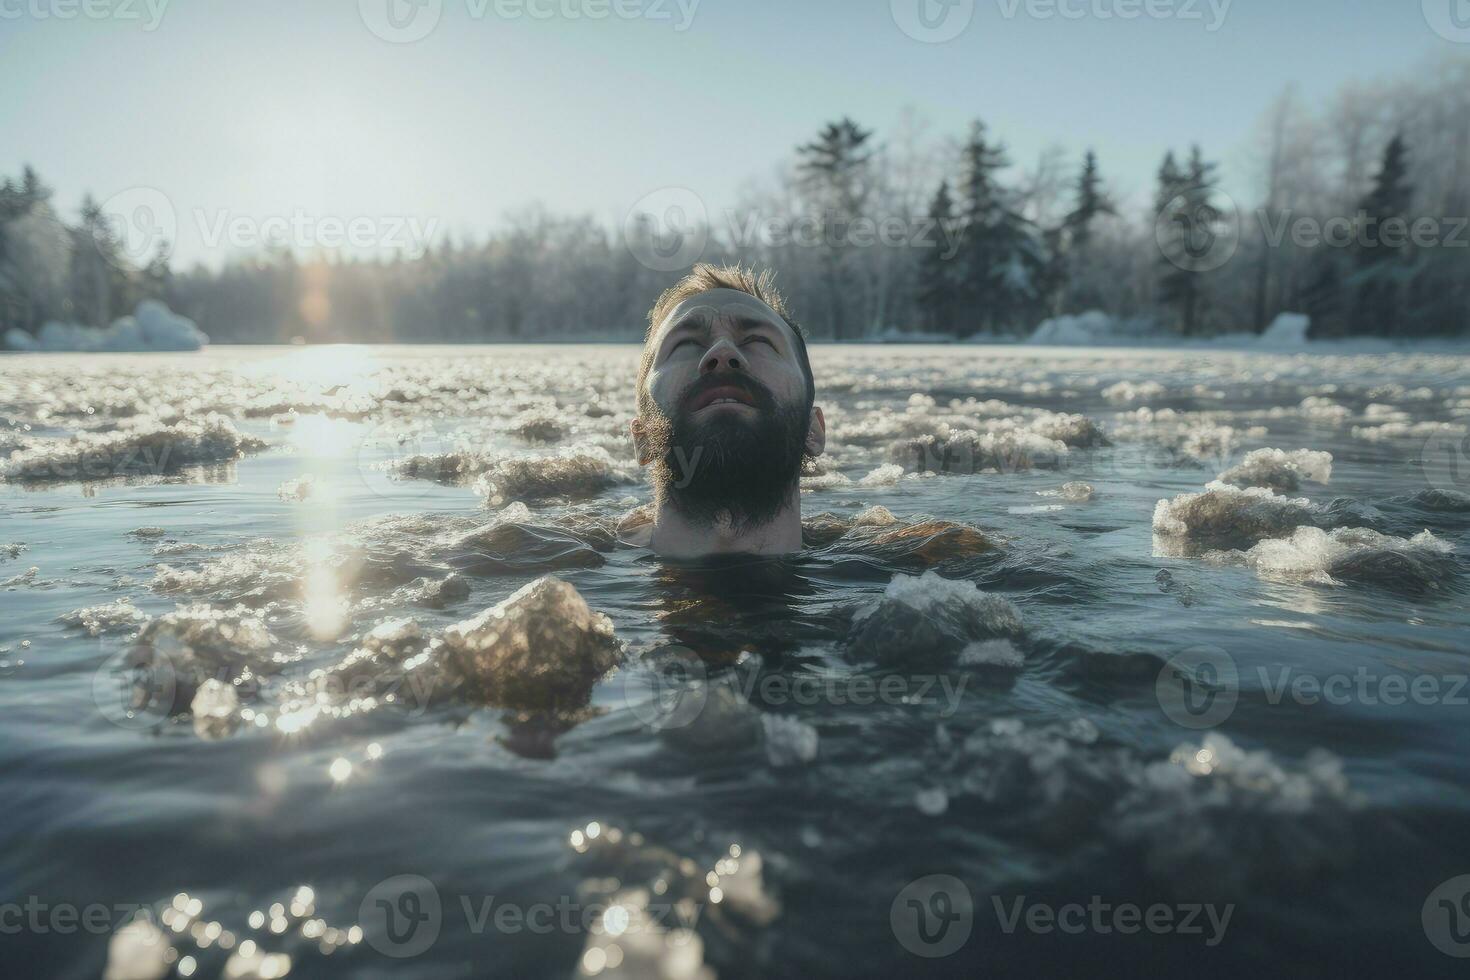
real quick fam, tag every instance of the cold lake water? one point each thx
(1108, 663)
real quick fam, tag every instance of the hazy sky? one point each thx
(287, 107)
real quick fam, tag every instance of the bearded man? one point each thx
(726, 416)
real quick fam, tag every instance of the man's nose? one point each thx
(723, 356)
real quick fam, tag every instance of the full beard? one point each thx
(728, 468)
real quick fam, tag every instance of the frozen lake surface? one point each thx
(245, 681)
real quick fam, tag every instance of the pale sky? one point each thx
(282, 108)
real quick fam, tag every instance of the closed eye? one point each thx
(686, 340)
(757, 337)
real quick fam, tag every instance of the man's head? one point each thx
(725, 398)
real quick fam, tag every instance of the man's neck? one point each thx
(675, 536)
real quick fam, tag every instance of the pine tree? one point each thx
(1187, 223)
(1001, 263)
(1382, 267)
(1071, 243)
(936, 293)
(1091, 202)
(834, 171)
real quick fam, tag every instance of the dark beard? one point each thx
(728, 467)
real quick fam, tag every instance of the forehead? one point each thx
(717, 304)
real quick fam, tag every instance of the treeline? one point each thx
(1356, 216)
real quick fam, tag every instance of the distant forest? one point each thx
(1357, 217)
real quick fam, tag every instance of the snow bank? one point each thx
(152, 327)
(1074, 331)
(1287, 330)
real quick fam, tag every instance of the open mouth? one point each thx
(722, 395)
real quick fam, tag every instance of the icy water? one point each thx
(255, 717)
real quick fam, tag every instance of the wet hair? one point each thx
(701, 279)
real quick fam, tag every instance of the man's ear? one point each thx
(640, 443)
(816, 433)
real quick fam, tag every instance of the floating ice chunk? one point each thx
(571, 474)
(1409, 430)
(514, 513)
(1133, 391)
(991, 653)
(1075, 431)
(543, 647)
(1074, 492)
(194, 643)
(714, 717)
(146, 448)
(1231, 515)
(112, 617)
(394, 638)
(538, 427)
(1418, 564)
(213, 708)
(432, 593)
(875, 516)
(928, 618)
(789, 741)
(831, 480)
(886, 475)
(1280, 471)
(1317, 407)
(1217, 819)
(967, 451)
(743, 888)
(138, 951)
(638, 946)
(932, 801)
